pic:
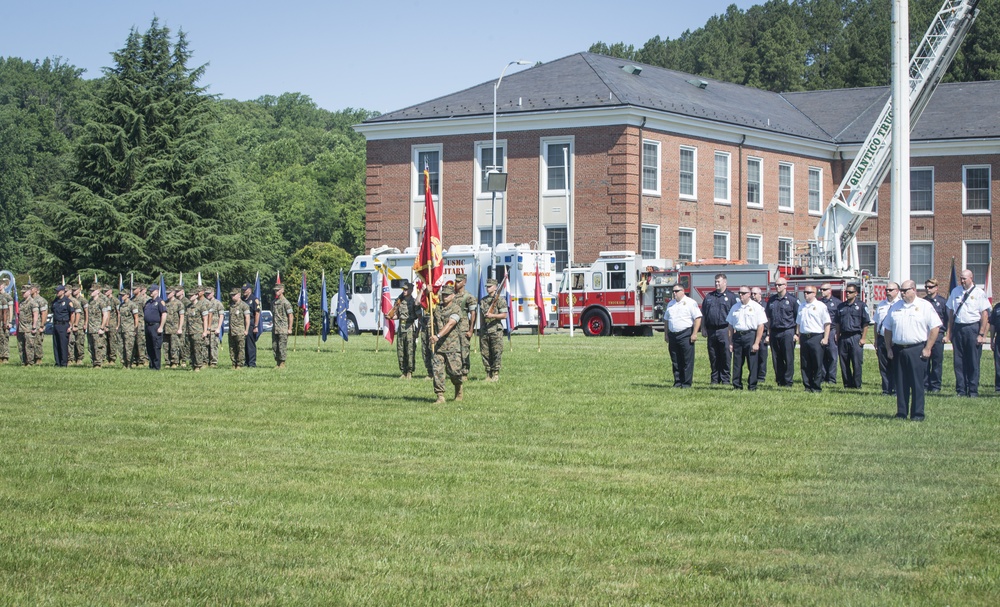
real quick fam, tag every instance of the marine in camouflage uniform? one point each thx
(217, 309)
(493, 309)
(185, 350)
(78, 338)
(128, 325)
(281, 312)
(194, 329)
(28, 321)
(425, 343)
(405, 312)
(97, 323)
(447, 345)
(173, 334)
(6, 318)
(239, 325)
(467, 304)
(43, 317)
(139, 299)
(114, 338)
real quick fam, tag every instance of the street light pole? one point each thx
(495, 167)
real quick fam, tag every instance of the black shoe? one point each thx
(917, 419)
(900, 416)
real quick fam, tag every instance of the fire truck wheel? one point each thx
(352, 325)
(596, 323)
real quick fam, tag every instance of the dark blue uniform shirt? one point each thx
(832, 303)
(941, 307)
(62, 309)
(716, 308)
(781, 311)
(153, 309)
(852, 317)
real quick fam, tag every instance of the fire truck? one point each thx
(518, 263)
(622, 293)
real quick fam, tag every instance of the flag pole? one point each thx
(379, 307)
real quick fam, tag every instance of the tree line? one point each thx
(799, 45)
(141, 171)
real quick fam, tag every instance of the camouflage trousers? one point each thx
(406, 351)
(425, 350)
(491, 349)
(114, 345)
(140, 345)
(212, 349)
(39, 346)
(279, 343)
(97, 345)
(447, 365)
(237, 350)
(173, 346)
(129, 355)
(78, 346)
(196, 349)
(185, 349)
(4, 343)
(466, 352)
(26, 348)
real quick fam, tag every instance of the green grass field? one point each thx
(580, 479)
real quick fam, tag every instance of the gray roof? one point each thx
(589, 81)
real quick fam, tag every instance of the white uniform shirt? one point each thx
(813, 317)
(746, 317)
(881, 311)
(972, 309)
(911, 323)
(680, 315)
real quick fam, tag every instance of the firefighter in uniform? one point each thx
(884, 361)
(934, 363)
(682, 321)
(715, 308)
(830, 355)
(757, 295)
(251, 341)
(813, 333)
(747, 320)
(782, 311)
(995, 340)
(851, 324)
(494, 310)
(970, 315)
(63, 316)
(911, 329)
(447, 348)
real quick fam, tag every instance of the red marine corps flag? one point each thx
(428, 266)
(388, 325)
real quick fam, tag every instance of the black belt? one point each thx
(747, 331)
(849, 333)
(780, 329)
(965, 324)
(718, 327)
(804, 335)
(919, 343)
(152, 324)
(59, 323)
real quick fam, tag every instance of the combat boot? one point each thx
(458, 392)
(440, 399)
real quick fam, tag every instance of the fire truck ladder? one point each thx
(834, 250)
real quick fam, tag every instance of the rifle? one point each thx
(496, 298)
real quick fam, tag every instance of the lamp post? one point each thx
(494, 182)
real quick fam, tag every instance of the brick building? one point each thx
(677, 166)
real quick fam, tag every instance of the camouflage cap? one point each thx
(461, 276)
(279, 287)
(447, 290)
(26, 286)
(124, 291)
(491, 282)
(235, 291)
(138, 286)
(94, 286)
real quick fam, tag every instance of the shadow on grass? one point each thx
(864, 415)
(391, 398)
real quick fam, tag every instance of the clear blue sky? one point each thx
(377, 55)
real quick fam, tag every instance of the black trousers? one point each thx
(251, 348)
(935, 364)
(996, 363)
(783, 355)
(718, 354)
(154, 341)
(831, 357)
(968, 353)
(852, 359)
(811, 360)
(762, 360)
(743, 352)
(885, 365)
(911, 373)
(681, 357)
(60, 344)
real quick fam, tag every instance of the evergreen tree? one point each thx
(152, 191)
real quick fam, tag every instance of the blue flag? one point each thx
(953, 282)
(218, 297)
(163, 288)
(256, 295)
(325, 307)
(342, 301)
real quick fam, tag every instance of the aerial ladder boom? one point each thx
(834, 250)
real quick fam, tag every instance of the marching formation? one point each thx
(910, 334)
(138, 328)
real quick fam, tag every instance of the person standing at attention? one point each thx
(884, 361)
(747, 320)
(682, 321)
(970, 319)
(911, 329)
(782, 311)
(715, 308)
(934, 363)
(851, 323)
(813, 334)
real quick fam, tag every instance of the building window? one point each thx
(977, 259)
(921, 261)
(685, 244)
(784, 251)
(815, 191)
(753, 248)
(922, 191)
(976, 189)
(785, 177)
(486, 236)
(557, 153)
(868, 257)
(720, 245)
(754, 168)
(486, 163)
(428, 157)
(651, 167)
(722, 178)
(556, 240)
(688, 183)
(650, 241)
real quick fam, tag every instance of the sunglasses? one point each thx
(810, 292)
(678, 290)
(744, 292)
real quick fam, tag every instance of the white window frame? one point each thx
(790, 208)
(694, 172)
(728, 176)
(819, 192)
(656, 191)
(760, 183)
(544, 164)
(557, 226)
(791, 251)
(922, 243)
(717, 234)
(980, 278)
(760, 248)
(989, 187)
(694, 244)
(656, 239)
(417, 173)
(874, 245)
(481, 170)
(912, 170)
